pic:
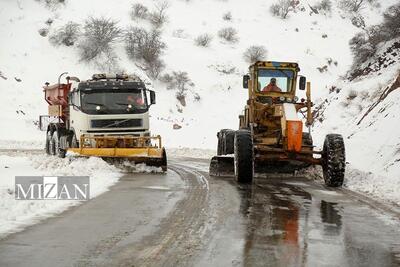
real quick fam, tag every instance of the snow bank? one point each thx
(385, 188)
(17, 214)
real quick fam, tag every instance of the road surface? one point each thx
(186, 218)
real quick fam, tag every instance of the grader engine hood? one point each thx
(292, 128)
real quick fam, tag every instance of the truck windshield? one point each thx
(113, 101)
(274, 80)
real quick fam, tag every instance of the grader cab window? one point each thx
(274, 80)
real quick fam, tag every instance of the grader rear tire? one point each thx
(333, 160)
(243, 150)
(229, 137)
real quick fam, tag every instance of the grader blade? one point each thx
(222, 166)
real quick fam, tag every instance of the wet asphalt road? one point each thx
(186, 218)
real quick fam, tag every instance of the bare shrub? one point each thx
(52, 4)
(147, 47)
(139, 11)
(228, 34)
(324, 5)
(255, 53)
(179, 81)
(283, 7)
(358, 21)
(203, 40)
(354, 5)
(158, 16)
(227, 16)
(98, 37)
(391, 20)
(66, 35)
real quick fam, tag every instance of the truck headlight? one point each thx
(296, 99)
(86, 142)
(288, 99)
(282, 98)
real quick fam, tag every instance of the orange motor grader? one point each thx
(271, 136)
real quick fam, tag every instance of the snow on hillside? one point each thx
(28, 56)
(27, 60)
(366, 111)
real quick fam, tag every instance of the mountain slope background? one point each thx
(214, 97)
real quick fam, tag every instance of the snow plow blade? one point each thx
(222, 166)
(150, 156)
(137, 151)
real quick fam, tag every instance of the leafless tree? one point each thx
(139, 11)
(255, 53)
(229, 34)
(98, 37)
(66, 35)
(203, 40)
(159, 15)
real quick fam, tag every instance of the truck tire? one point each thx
(164, 164)
(229, 137)
(52, 145)
(243, 150)
(74, 141)
(58, 151)
(225, 142)
(48, 140)
(333, 160)
(219, 144)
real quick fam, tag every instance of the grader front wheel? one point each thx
(333, 160)
(243, 150)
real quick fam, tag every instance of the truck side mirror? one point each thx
(246, 79)
(302, 83)
(152, 97)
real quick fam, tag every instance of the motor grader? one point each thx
(106, 116)
(271, 136)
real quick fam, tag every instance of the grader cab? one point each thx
(271, 135)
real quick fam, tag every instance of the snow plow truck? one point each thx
(106, 116)
(271, 136)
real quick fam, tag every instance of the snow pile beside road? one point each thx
(17, 214)
(14, 144)
(385, 188)
(129, 167)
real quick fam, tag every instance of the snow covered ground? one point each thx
(17, 214)
(372, 146)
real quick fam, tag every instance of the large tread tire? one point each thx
(219, 144)
(48, 140)
(164, 164)
(229, 138)
(52, 145)
(243, 150)
(74, 141)
(58, 151)
(333, 160)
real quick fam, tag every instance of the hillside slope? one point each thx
(27, 60)
(28, 56)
